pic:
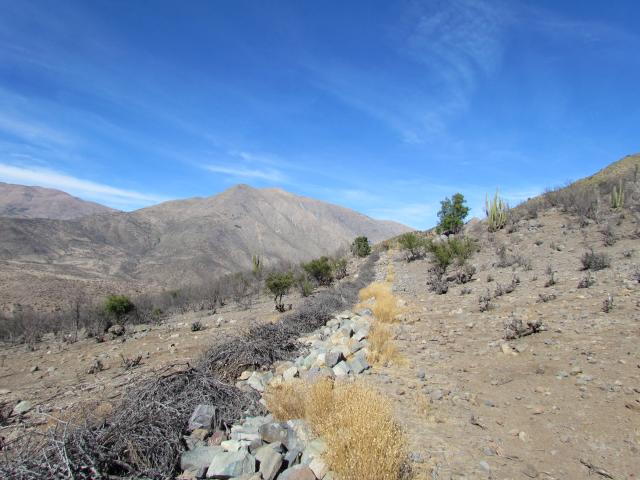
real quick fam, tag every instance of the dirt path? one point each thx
(561, 404)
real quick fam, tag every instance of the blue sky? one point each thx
(384, 107)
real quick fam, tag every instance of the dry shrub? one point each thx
(385, 307)
(363, 440)
(382, 348)
(287, 400)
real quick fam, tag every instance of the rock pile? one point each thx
(261, 448)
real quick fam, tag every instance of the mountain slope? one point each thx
(177, 242)
(20, 201)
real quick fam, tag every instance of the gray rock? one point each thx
(293, 456)
(203, 416)
(22, 407)
(297, 472)
(361, 334)
(257, 382)
(270, 462)
(436, 395)
(290, 373)
(274, 432)
(198, 459)
(341, 369)
(359, 363)
(231, 464)
(333, 357)
(315, 449)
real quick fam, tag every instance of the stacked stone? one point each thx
(260, 448)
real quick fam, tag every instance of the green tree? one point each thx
(360, 246)
(118, 306)
(320, 270)
(278, 284)
(452, 213)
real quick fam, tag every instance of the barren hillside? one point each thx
(174, 243)
(20, 201)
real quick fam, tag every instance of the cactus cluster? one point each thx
(496, 210)
(617, 196)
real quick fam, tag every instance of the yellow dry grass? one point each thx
(363, 440)
(385, 304)
(382, 348)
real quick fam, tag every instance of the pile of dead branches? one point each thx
(143, 435)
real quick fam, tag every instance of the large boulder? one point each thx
(198, 459)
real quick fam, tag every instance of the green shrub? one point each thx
(452, 213)
(118, 306)
(339, 267)
(497, 212)
(278, 284)
(445, 252)
(360, 246)
(413, 244)
(320, 270)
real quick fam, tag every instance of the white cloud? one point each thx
(28, 130)
(268, 174)
(112, 196)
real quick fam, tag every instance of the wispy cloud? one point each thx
(32, 131)
(453, 43)
(268, 174)
(112, 196)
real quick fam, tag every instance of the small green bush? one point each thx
(320, 270)
(454, 249)
(278, 284)
(118, 306)
(360, 246)
(452, 213)
(412, 244)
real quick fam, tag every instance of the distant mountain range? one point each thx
(20, 201)
(77, 243)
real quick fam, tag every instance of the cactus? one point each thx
(496, 210)
(617, 196)
(257, 265)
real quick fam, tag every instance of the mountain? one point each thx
(20, 201)
(174, 243)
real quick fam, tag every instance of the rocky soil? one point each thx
(559, 404)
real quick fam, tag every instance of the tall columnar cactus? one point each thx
(617, 196)
(496, 210)
(257, 265)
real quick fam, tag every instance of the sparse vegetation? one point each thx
(586, 281)
(452, 213)
(339, 268)
(130, 363)
(609, 237)
(608, 304)
(595, 261)
(551, 277)
(485, 301)
(496, 210)
(197, 326)
(385, 306)
(360, 247)
(279, 284)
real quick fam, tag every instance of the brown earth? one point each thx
(558, 404)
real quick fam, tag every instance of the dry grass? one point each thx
(382, 348)
(363, 440)
(385, 304)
